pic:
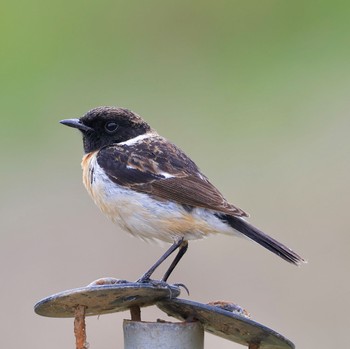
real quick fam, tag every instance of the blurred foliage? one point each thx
(250, 64)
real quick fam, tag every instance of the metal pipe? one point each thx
(163, 335)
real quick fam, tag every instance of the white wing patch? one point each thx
(162, 173)
(166, 174)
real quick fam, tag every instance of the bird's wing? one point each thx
(162, 170)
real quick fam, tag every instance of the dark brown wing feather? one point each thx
(157, 167)
(191, 191)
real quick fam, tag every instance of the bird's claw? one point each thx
(184, 287)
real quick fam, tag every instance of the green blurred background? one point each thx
(257, 92)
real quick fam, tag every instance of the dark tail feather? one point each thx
(263, 239)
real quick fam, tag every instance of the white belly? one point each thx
(144, 216)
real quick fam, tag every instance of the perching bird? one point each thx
(153, 190)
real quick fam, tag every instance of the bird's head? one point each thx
(107, 125)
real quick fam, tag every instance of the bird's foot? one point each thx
(152, 282)
(161, 283)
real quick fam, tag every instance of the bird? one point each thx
(153, 190)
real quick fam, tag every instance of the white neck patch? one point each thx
(137, 139)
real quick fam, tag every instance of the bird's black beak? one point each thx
(76, 124)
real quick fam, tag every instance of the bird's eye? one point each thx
(111, 127)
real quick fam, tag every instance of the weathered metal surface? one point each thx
(226, 324)
(165, 335)
(101, 298)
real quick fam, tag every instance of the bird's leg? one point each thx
(182, 250)
(177, 244)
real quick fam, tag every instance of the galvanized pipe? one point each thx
(163, 335)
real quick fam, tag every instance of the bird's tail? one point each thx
(263, 239)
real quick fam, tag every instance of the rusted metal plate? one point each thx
(103, 297)
(226, 324)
